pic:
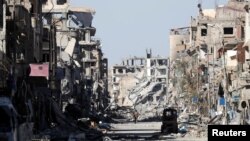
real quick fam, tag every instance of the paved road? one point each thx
(144, 131)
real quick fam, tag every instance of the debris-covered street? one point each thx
(148, 131)
(57, 82)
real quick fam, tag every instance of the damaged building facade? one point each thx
(52, 67)
(210, 68)
(82, 70)
(146, 90)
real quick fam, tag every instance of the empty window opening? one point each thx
(131, 70)
(203, 32)
(228, 30)
(162, 62)
(120, 70)
(242, 32)
(152, 72)
(163, 71)
(45, 57)
(93, 64)
(152, 63)
(61, 2)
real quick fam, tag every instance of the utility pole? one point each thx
(213, 75)
(208, 90)
(226, 83)
(198, 57)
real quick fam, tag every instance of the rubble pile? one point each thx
(139, 84)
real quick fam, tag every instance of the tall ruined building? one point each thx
(53, 71)
(212, 67)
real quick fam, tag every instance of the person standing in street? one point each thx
(135, 115)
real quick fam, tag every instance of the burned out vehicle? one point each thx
(169, 121)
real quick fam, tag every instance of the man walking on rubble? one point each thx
(135, 116)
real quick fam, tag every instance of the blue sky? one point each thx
(128, 27)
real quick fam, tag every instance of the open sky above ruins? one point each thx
(128, 27)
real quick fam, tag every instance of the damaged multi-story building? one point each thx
(52, 68)
(81, 67)
(139, 83)
(211, 61)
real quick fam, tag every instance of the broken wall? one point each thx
(178, 40)
(231, 61)
(126, 84)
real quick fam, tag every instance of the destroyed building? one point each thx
(178, 39)
(51, 66)
(212, 66)
(130, 71)
(80, 62)
(140, 83)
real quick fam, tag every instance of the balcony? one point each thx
(87, 43)
(88, 60)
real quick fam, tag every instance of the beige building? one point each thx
(178, 39)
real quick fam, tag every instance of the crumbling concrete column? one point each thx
(124, 71)
(87, 36)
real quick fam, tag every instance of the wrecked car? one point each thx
(169, 121)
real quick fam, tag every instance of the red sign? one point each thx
(39, 70)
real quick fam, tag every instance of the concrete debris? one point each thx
(207, 73)
(146, 89)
